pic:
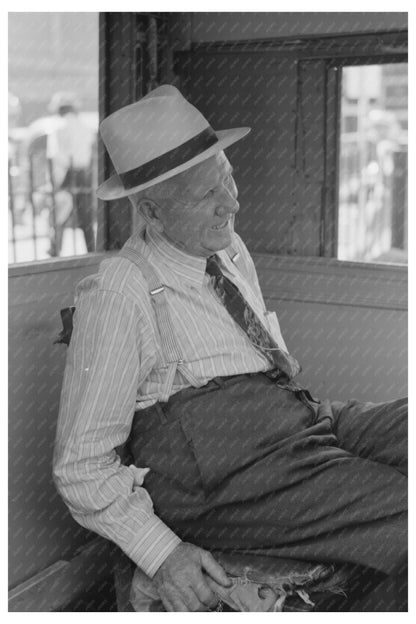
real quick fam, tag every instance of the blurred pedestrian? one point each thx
(69, 150)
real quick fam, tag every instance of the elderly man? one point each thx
(174, 351)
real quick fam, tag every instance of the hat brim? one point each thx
(113, 187)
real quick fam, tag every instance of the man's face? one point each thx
(200, 217)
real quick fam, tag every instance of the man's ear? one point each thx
(150, 212)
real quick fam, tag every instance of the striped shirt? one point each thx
(115, 366)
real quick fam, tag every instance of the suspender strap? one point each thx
(171, 350)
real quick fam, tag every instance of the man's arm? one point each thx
(109, 357)
(106, 363)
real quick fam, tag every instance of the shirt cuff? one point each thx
(157, 541)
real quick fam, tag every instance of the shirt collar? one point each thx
(177, 264)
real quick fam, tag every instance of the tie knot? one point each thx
(213, 266)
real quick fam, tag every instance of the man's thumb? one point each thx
(214, 569)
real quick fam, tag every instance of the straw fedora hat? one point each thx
(156, 138)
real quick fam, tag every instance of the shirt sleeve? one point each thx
(106, 363)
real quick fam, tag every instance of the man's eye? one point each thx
(209, 193)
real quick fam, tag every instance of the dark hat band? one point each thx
(172, 159)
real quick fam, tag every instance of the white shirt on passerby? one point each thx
(70, 145)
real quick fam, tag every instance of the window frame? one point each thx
(119, 84)
(329, 232)
(25, 268)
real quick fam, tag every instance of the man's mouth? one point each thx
(220, 226)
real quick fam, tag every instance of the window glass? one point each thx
(372, 218)
(53, 121)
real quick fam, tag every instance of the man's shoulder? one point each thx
(117, 275)
(121, 274)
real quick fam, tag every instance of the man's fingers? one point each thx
(182, 579)
(198, 603)
(190, 598)
(214, 569)
(167, 603)
(187, 603)
(204, 592)
(215, 587)
(179, 605)
(180, 601)
(185, 597)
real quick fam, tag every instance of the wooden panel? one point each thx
(282, 167)
(118, 86)
(239, 26)
(261, 91)
(335, 282)
(329, 216)
(41, 530)
(346, 323)
(309, 157)
(310, 118)
(134, 59)
(61, 583)
(348, 353)
(288, 91)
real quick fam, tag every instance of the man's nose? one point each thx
(226, 208)
(227, 203)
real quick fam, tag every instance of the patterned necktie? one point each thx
(247, 319)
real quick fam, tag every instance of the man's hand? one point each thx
(185, 578)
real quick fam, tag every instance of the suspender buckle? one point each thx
(158, 290)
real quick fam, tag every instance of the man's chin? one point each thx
(223, 241)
